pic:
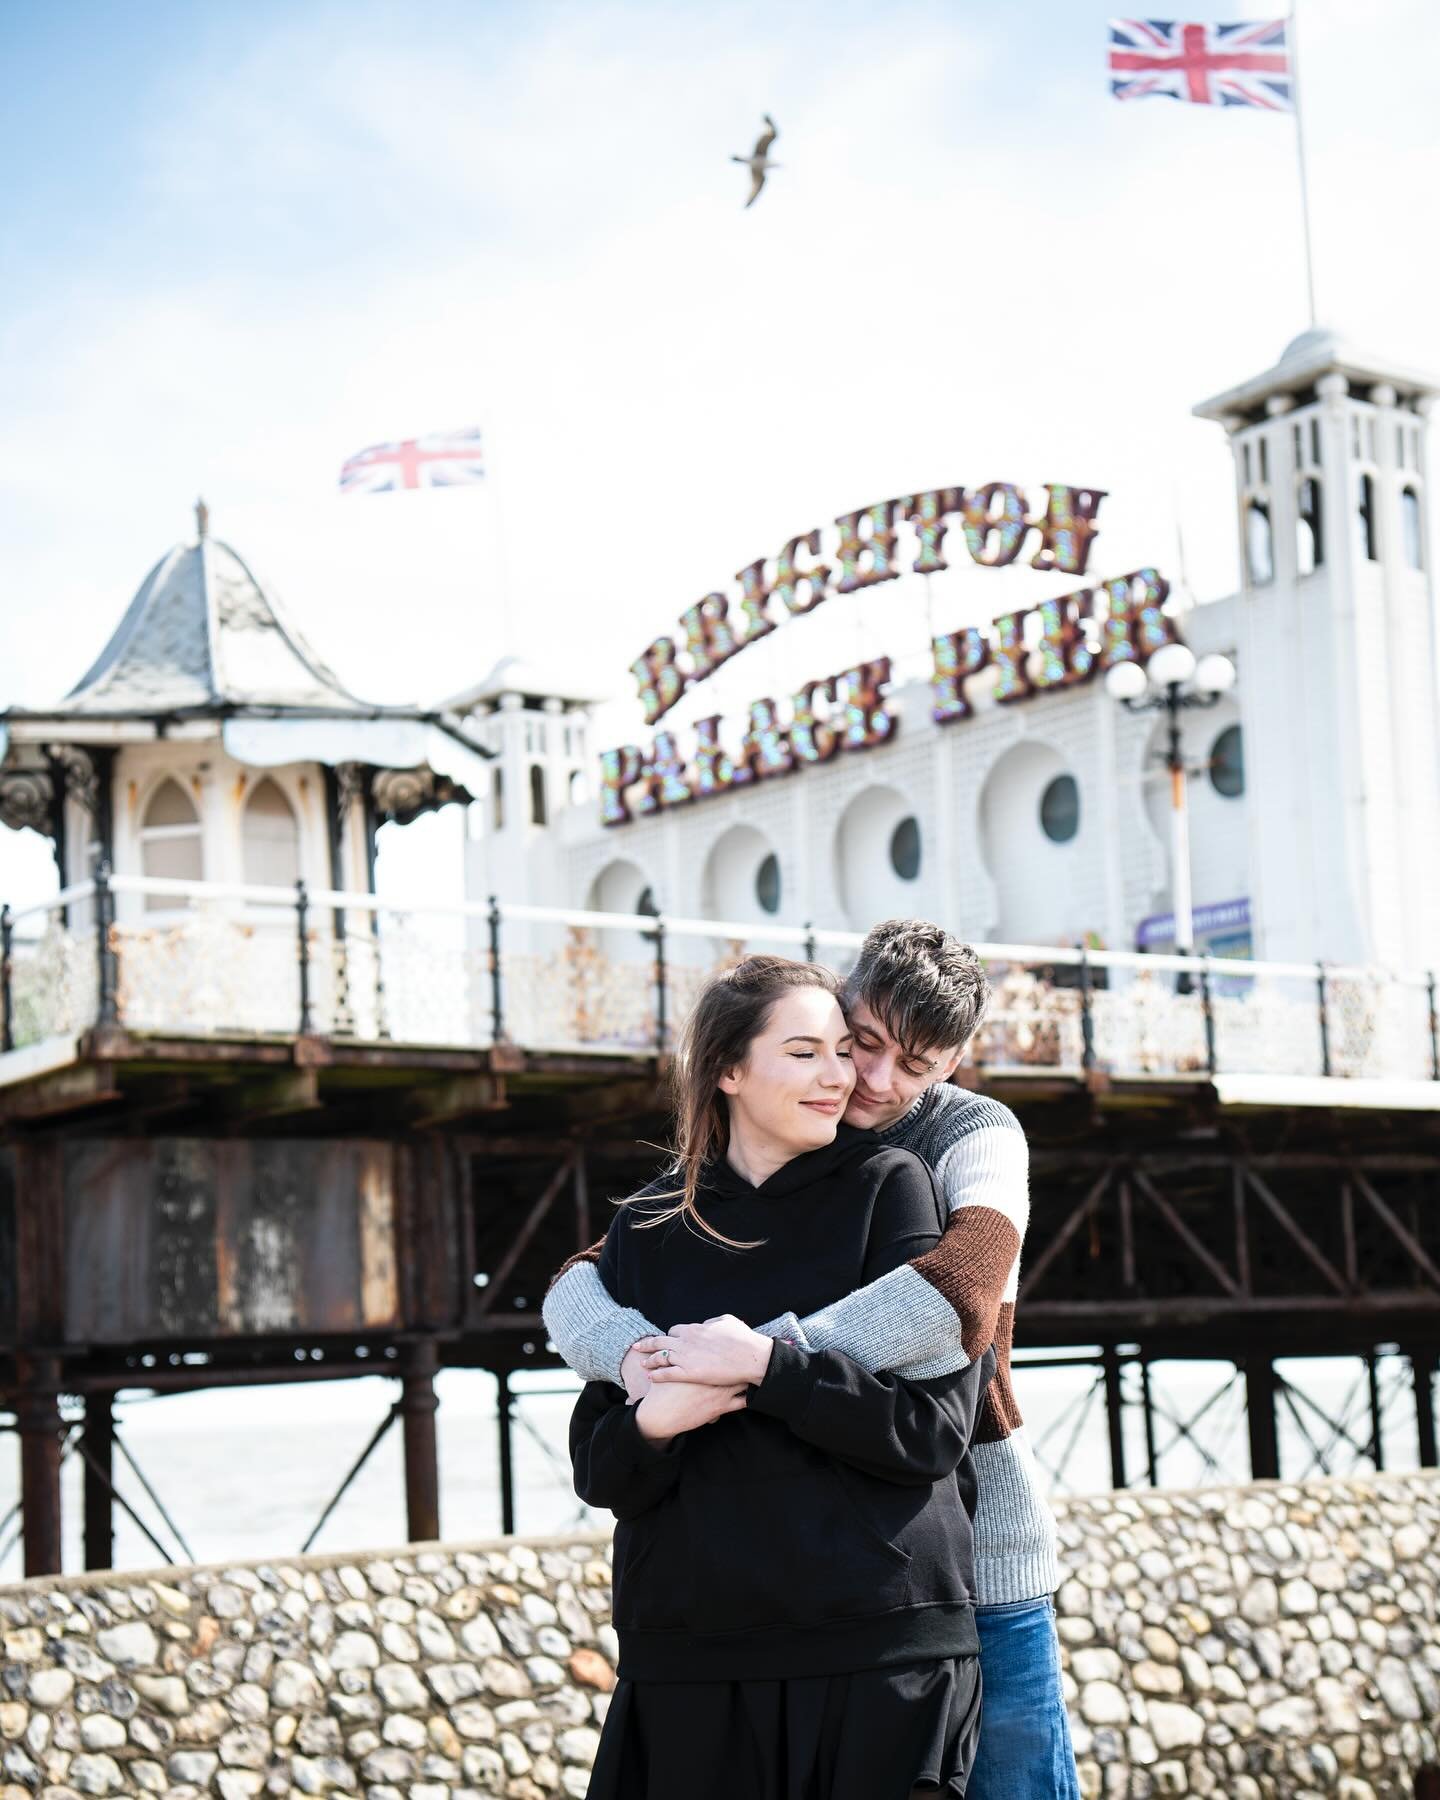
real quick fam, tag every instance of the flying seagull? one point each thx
(758, 161)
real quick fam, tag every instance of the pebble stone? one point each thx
(1277, 1642)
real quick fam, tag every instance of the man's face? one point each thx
(888, 1078)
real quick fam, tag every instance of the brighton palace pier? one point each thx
(259, 1125)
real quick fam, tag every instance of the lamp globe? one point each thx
(1171, 665)
(1125, 681)
(1215, 674)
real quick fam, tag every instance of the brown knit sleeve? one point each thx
(970, 1268)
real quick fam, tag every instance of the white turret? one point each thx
(1337, 635)
(537, 728)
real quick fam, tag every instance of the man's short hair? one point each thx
(924, 986)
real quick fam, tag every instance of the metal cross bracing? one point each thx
(1282, 1249)
(1129, 1421)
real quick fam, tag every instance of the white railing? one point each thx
(202, 959)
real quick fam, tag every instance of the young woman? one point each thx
(794, 1589)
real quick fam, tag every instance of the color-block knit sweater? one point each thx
(924, 1320)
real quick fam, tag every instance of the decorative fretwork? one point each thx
(401, 795)
(53, 984)
(82, 778)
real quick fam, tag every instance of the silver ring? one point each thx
(664, 1355)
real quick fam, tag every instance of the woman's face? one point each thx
(792, 1088)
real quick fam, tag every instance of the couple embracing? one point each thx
(796, 1343)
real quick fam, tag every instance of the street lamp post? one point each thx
(1177, 681)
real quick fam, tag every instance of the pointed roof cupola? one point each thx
(206, 650)
(204, 637)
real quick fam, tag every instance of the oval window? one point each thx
(767, 884)
(1060, 809)
(1227, 763)
(905, 849)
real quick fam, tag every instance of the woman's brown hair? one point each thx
(730, 1013)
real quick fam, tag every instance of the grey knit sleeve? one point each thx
(591, 1330)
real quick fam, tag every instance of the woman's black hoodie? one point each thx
(826, 1528)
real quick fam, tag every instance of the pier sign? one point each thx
(1054, 645)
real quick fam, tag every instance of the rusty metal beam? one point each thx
(1302, 1239)
(1411, 1243)
(54, 1095)
(459, 1098)
(582, 1198)
(275, 1096)
(1187, 1237)
(1242, 1229)
(520, 1242)
(1062, 1237)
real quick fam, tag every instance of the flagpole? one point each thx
(500, 564)
(1294, 37)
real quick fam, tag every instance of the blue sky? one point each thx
(243, 240)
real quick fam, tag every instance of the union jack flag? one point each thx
(443, 459)
(1242, 64)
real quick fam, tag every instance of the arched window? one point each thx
(270, 838)
(1259, 553)
(537, 795)
(1309, 527)
(579, 787)
(170, 843)
(497, 797)
(1365, 516)
(1227, 763)
(1411, 540)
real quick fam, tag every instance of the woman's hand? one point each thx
(683, 1406)
(723, 1352)
(634, 1377)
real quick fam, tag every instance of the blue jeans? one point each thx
(1025, 1748)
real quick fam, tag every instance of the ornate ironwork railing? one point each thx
(204, 959)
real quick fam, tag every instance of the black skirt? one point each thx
(873, 1735)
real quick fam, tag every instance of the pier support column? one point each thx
(1114, 1414)
(505, 1423)
(418, 1406)
(99, 1509)
(37, 1414)
(1422, 1365)
(1260, 1415)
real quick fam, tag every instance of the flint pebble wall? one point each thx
(1251, 1642)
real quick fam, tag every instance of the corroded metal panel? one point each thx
(177, 1238)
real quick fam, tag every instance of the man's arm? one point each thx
(591, 1330)
(908, 1320)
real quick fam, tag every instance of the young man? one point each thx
(914, 1000)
